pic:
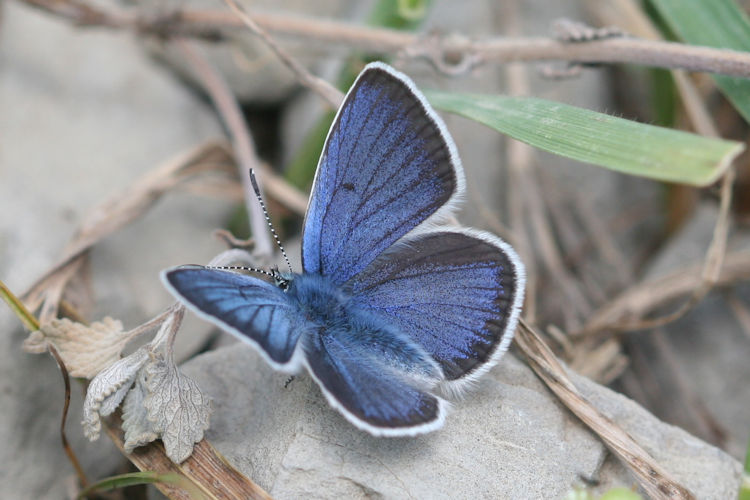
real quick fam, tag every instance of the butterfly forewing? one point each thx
(253, 310)
(388, 164)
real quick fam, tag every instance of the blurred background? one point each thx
(91, 104)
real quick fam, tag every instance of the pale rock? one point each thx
(84, 114)
(509, 437)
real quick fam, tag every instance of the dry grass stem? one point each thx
(64, 418)
(650, 295)
(656, 481)
(229, 110)
(114, 214)
(329, 93)
(213, 25)
(206, 468)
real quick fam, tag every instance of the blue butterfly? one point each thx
(390, 308)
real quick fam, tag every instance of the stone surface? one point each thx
(507, 438)
(707, 471)
(84, 114)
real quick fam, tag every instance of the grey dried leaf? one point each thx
(138, 429)
(86, 350)
(177, 408)
(108, 389)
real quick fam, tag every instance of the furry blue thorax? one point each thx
(332, 316)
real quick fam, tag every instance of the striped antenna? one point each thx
(242, 268)
(268, 219)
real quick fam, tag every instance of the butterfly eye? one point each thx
(282, 283)
(278, 279)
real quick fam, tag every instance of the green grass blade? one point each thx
(744, 493)
(607, 141)
(136, 478)
(23, 314)
(713, 23)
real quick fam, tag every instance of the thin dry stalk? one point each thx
(648, 296)
(206, 469)
(242, 143)
(214, 25)
(83, 482)
(656, 481)
(329, 93)
(114, 214)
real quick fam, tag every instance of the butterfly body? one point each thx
(331, 314)
(390, 308)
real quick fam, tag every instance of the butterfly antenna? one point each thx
(268, 219)
(243, 268)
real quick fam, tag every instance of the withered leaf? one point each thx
(86, 350)
(177, 408)
(108, 389)
(138, 429)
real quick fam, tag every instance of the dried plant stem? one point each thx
(703, 124)
(66, 406)
(647, 296)
(330, 94)
(213, 25)
(656, 481)
(228, 108)
(207, 470)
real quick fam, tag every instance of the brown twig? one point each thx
(521, 163)
(206, 468)
(648, 296)
(329, 93)
(114, 214)
(66, 406)
(242, 143)
(213, 25)
(656, 481)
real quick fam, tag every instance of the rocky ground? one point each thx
(86, 112)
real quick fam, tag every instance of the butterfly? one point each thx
(391, 309)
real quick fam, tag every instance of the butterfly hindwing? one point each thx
(378, 379)
(457, 293)
(254, 311)
(387, 165)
